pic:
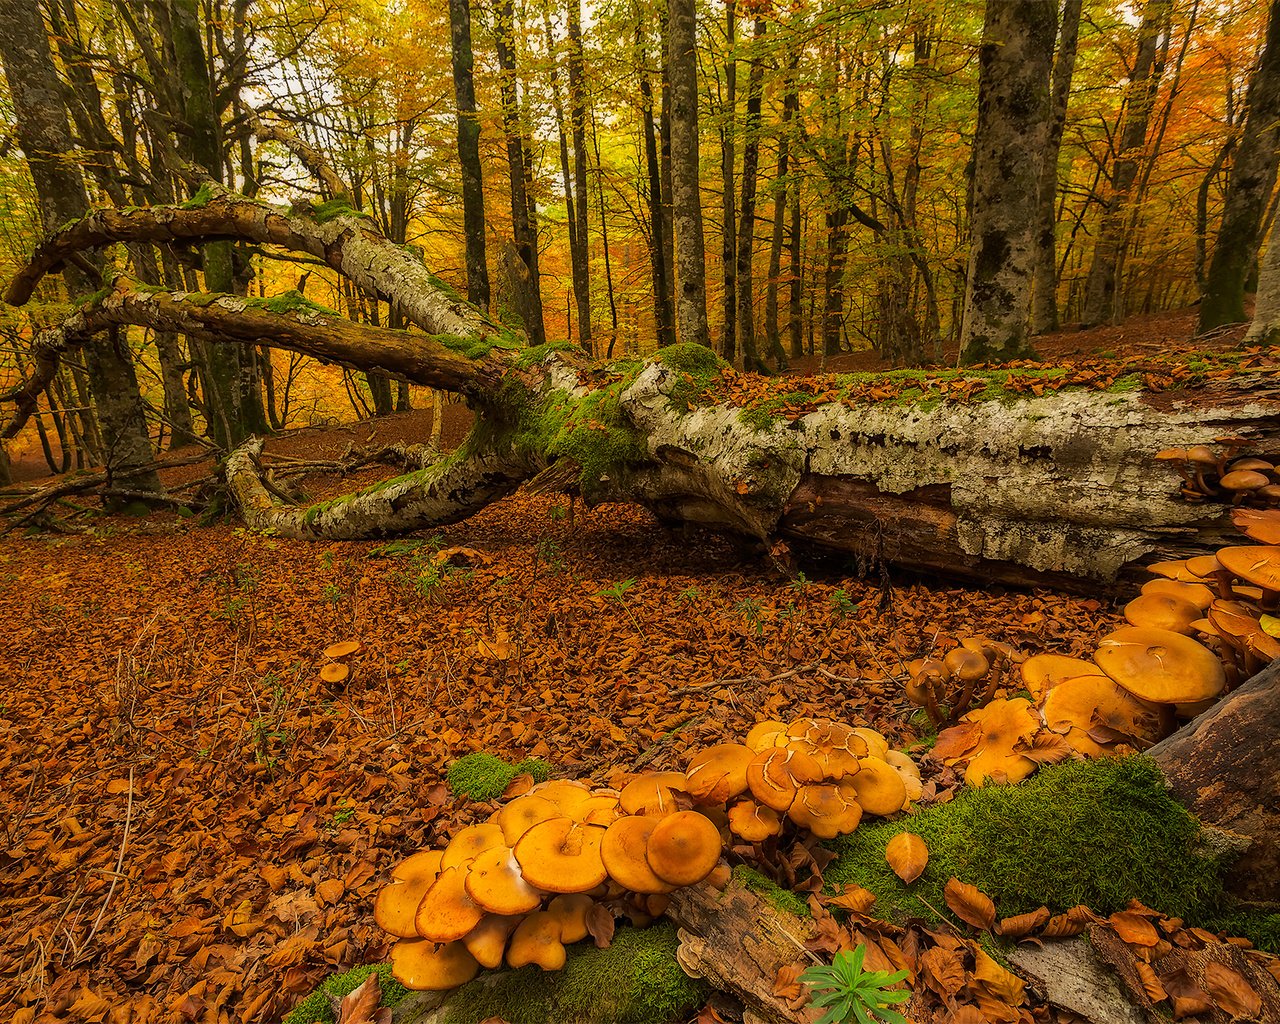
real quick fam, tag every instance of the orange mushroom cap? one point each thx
(623, 854)
(683, 848)
(426, 966)
(1160, 666)
(561, 855)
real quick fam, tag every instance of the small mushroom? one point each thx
(517, 817)
(571, 910)
(487, 941)
(536, 940)
(1161, 611)
(719, 773)
(1199, 595)
(334, 673)
(765, 734)
(496, 883)
(753, 821)
(446, 912)
(827, 809)
(776, 774)
(1043, 672)
(336, 652)
(654, 793)
(1256, 564)
(471, 842)
(878, 787)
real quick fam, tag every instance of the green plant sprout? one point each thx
(848, 993)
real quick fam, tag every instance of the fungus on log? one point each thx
(1061, 490)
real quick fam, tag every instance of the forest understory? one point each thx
(196, 824)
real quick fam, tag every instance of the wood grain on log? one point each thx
(1225, 767)
(738, 942)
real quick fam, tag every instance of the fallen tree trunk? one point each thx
(1225, 767)
(1058, 490)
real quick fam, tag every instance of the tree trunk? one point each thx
(1013, 118)
(1265, 329)
(663, 316)
(566, 167)
(1044, 297)
(728, 141)
(1140, 93)
(45, 136)
(664, 135)
(795, 318)
(686, 197)
(522, 228)
(469, 154)
(578, 126)
(781, 185)
(833, 280)
(746, 324)
(1252, 178)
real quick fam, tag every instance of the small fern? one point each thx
(848, 993)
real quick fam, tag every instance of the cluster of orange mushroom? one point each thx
(947, 687)
(1195, 632)
(1225, 476)
(562, 860)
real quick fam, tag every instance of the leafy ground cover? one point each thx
(193, 825)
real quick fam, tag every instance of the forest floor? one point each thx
(193, 826)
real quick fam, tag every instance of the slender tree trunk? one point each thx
(663, 317)
(686, 198)
(578, 126)
(1044, 297)
(522, 229)
(604, 237)
(469, 154)
(795, 317)
(1249, 186)
(790, 104)
(1013, 120)
(1100, 288)
(833, 280)
(45, 137)
(664, 135)
(747, 221)
(728, 156)
(566, 167)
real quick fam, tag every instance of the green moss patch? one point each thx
(1097, 832)
(783, 899)
(292, 301)
(482, 776)
(479, 346)
(637, 980)
(317, 1008)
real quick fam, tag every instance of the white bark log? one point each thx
(1265, 329)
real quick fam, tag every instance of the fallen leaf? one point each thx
(970, 904)
(1231, 993)
(1134, 928)
(1023, 924)
(943, 971)
(907, 854)
(1002, 984)
(361, 1005)
(854, 898)
(1150, 982)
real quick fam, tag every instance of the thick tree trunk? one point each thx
(686, 197)
(1044, 297)
(1253, 176)
(1013, 120)
(1140, 94)
(469, 153)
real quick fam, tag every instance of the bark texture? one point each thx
(45, 136)
(469, 153)
(1044, 297)
(1225, 766)
(1013, 121)
(1140, 94)
(686, 201)
(1265, 329)
(1253, 176)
